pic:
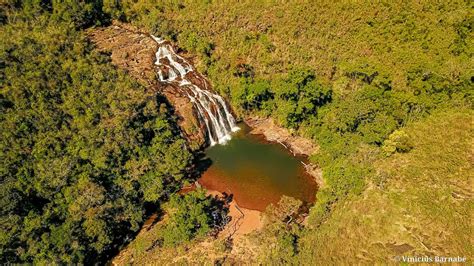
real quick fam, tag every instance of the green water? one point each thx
(256, 172)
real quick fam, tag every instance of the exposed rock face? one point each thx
(211, 109)
(134, 51)
(296, 144)
(272, 132)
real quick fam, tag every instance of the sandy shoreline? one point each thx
(243, 221)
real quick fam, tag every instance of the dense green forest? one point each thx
(372, 84)
(83, 147)
(384, 89)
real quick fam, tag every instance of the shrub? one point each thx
(398, 141)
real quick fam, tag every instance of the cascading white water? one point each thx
(211, 108)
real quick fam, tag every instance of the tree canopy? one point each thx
(83, 147)
(385, 90)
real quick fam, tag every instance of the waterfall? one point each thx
(213, 112)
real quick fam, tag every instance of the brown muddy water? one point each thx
(256, 172)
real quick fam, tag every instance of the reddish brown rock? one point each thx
(133, 51)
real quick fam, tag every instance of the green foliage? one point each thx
(398, 141)
(379, 68)
(294, 99)
(423, 193)
(286, 209)
(280, 244)
(280, 233)
(298, 97)
(81, 13)
(144, 13)
(371, 113)
(83, 147)
(195, 44)
(254, 96)
(343, 179)
(199, 45)
(188, 218)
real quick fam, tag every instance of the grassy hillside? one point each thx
(384, 88)
(418, 202)
(401, 42)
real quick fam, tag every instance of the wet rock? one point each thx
(133, 51)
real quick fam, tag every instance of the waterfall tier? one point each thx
(212, 110)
